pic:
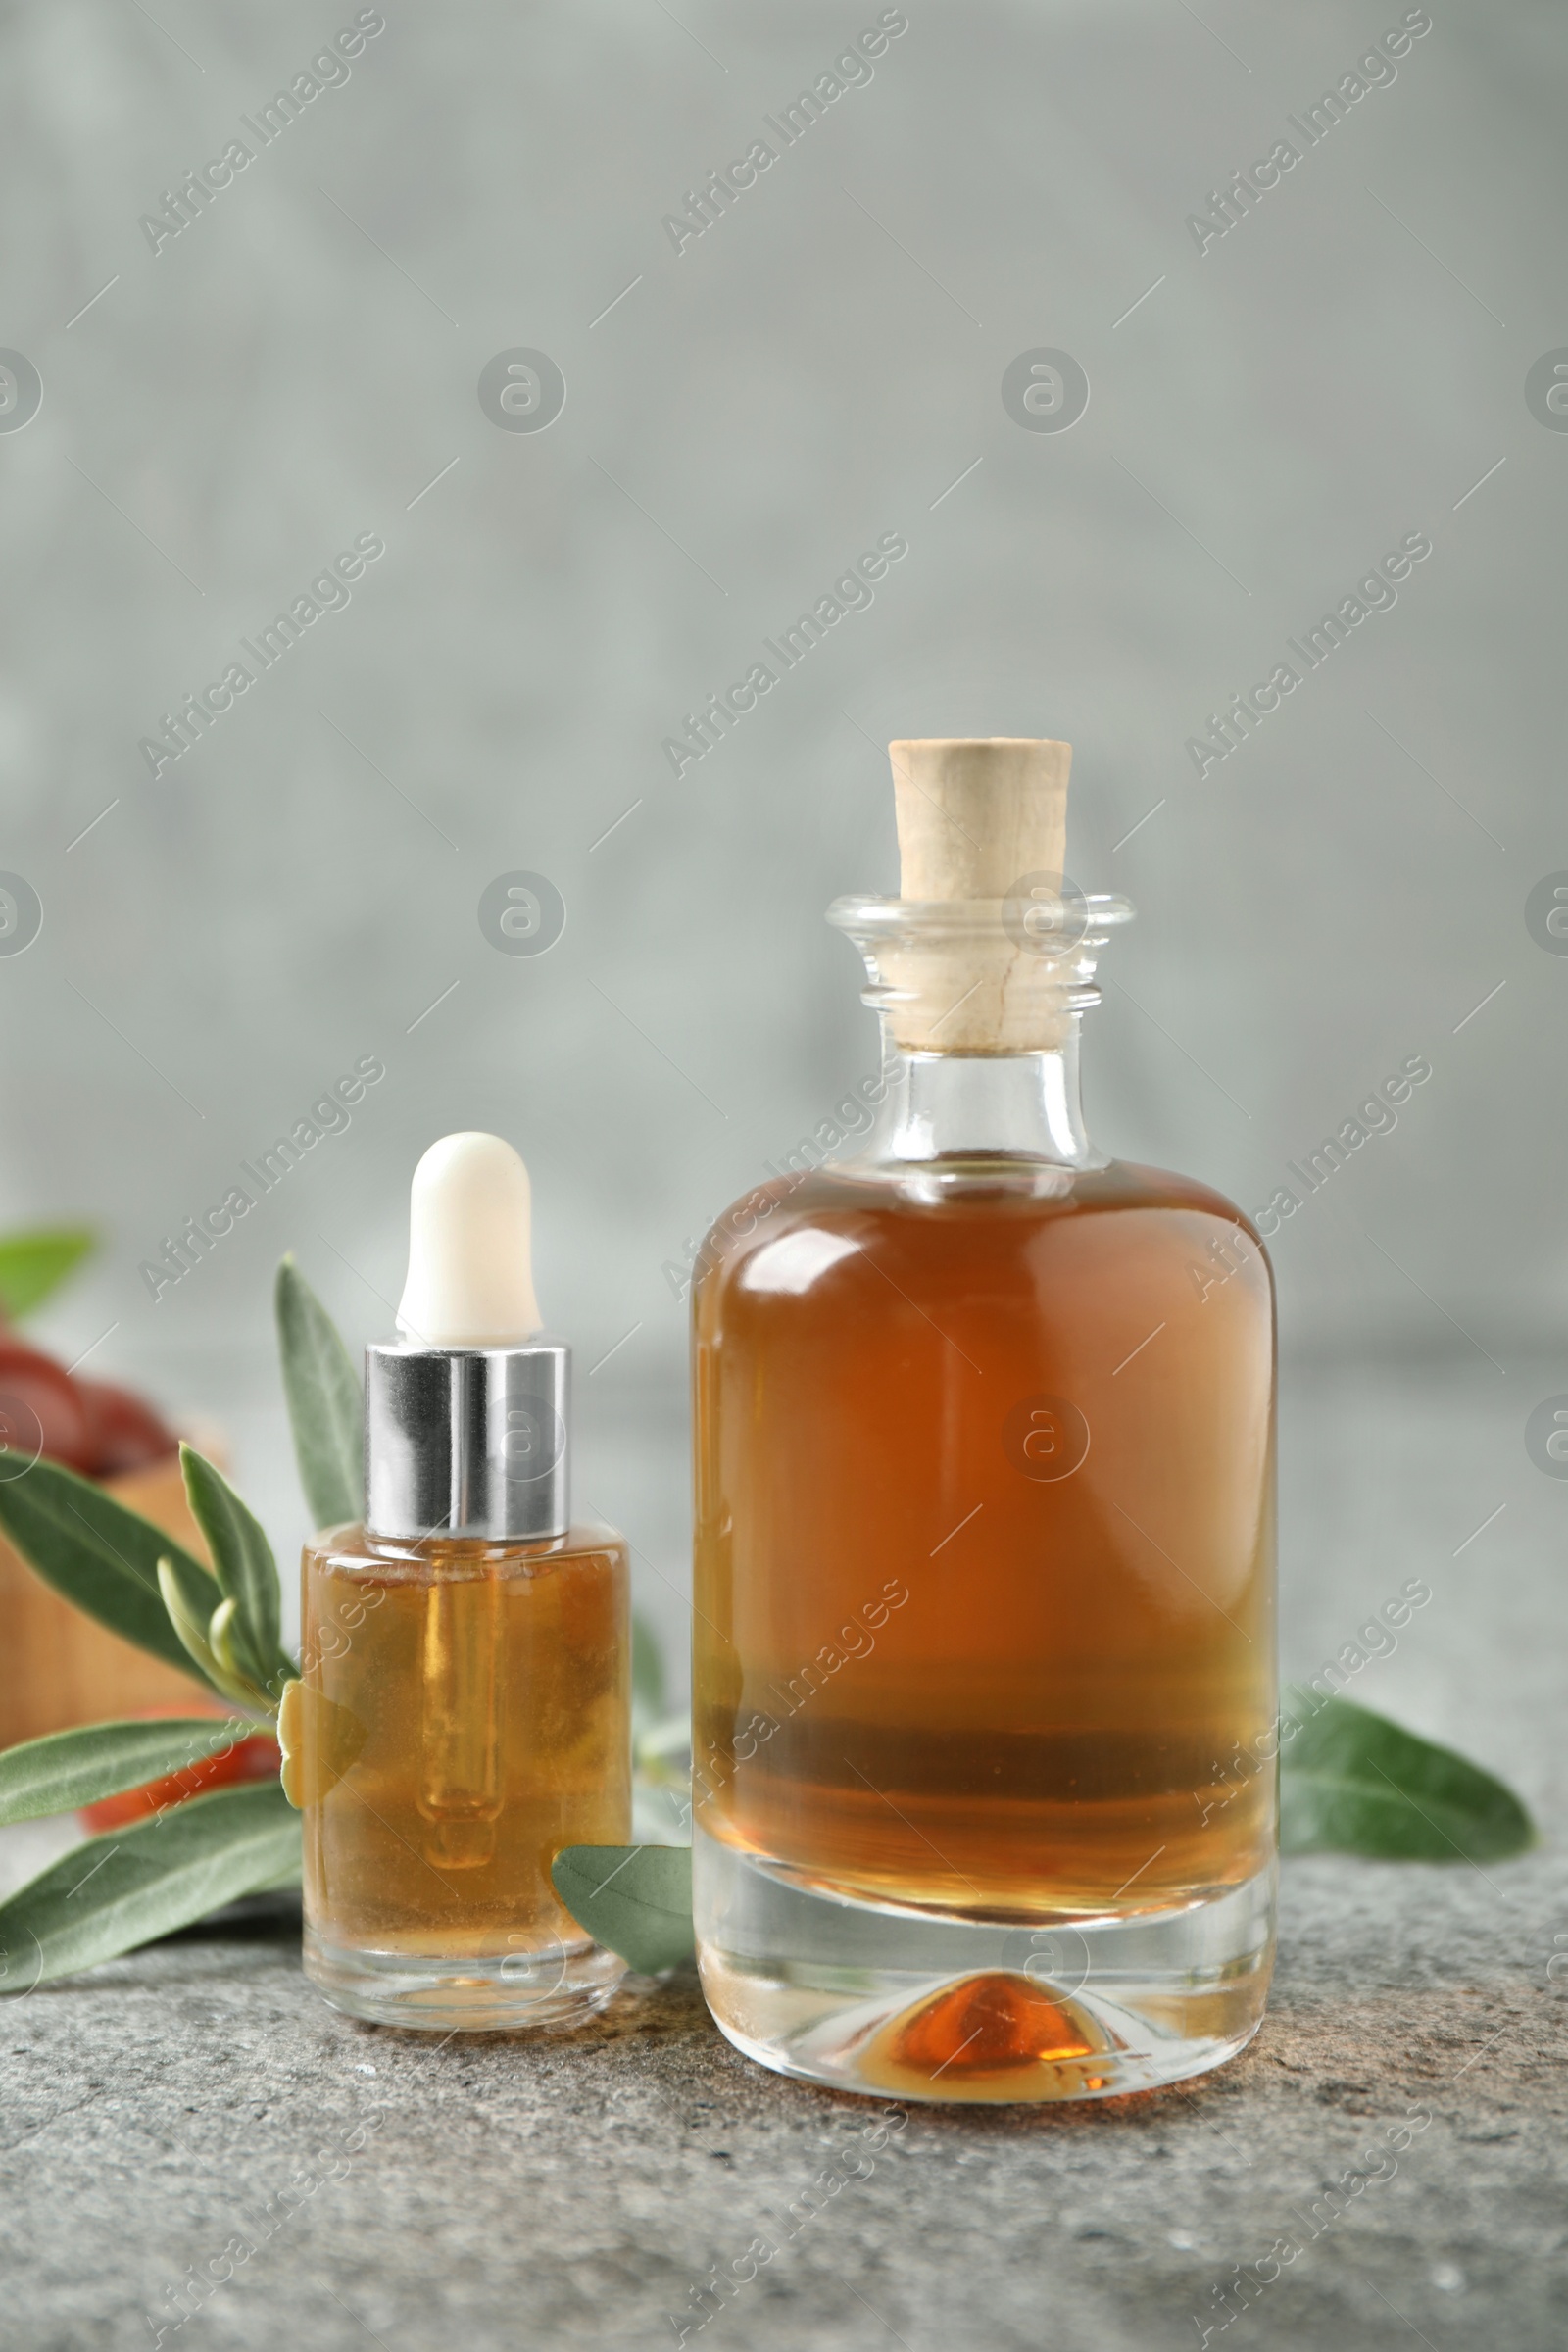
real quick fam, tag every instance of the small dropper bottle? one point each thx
(464, 1705)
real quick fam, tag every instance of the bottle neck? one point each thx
(981, 1108)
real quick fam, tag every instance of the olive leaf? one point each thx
(325, 1409)
(69, 1769)
(244, 1640)
(1351, 1782)
(103, 1558)
(647, 1668)
(633, 1899)
(113, 1892)
(321, 1739)
(32, 1263)
(192, 1633)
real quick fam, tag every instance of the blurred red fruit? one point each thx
(125, 1434)
(256, 1757)
(42, 1409)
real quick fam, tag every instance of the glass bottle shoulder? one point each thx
(807, 1220)
(351, 1551)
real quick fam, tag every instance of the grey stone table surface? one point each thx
(1386, 2163)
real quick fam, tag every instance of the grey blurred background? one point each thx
(1267, 418)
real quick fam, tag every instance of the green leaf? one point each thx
(32, 1263)
(246, 1572)
(121, 1889)
(633, 1899)
(320, 1740)
(103, 1558)
(188, 1627)
(325, 1409)
(1351, 1782)
(647, 1667)
(76, 1768)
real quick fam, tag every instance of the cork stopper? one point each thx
(982, 830)
(974, 817)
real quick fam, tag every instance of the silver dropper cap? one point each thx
(466, 1415)
(468, 1440)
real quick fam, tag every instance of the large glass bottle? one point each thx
(984, 1605)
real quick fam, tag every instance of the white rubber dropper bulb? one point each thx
(470, 1257)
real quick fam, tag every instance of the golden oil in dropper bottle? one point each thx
(464, 1703)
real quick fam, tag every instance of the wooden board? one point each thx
(58, 1668)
